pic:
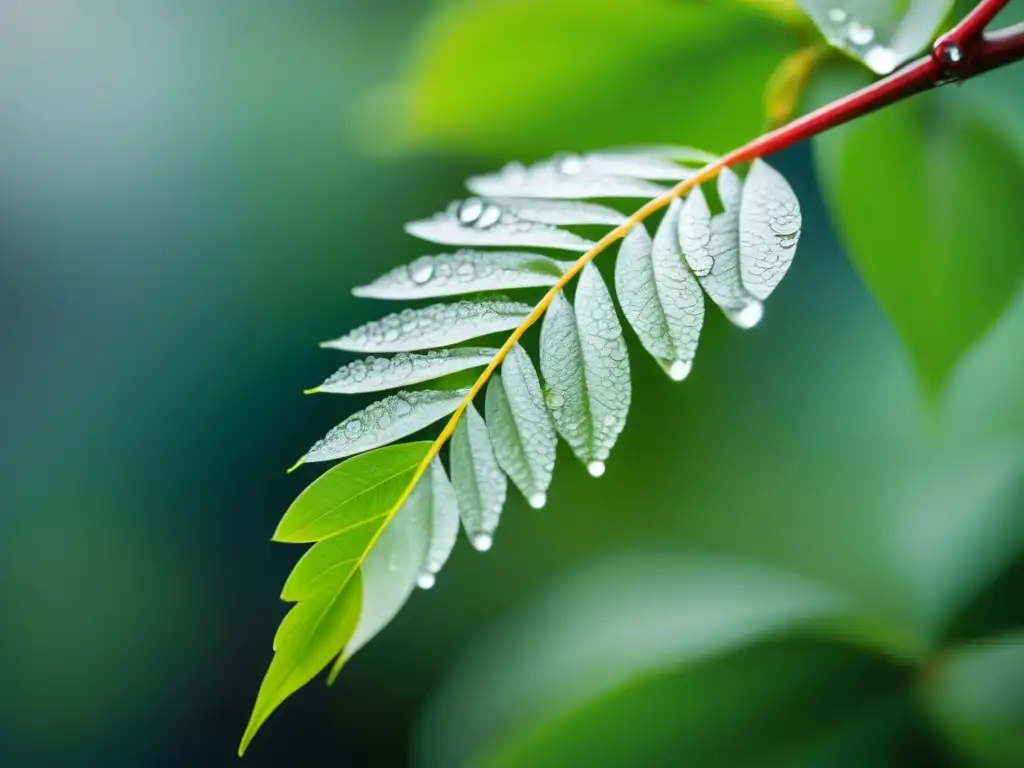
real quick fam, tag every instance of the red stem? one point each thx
(975, 53)
(972, 26)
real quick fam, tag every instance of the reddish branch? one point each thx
(964, 52)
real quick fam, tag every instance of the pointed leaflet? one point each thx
(479, 483)
(476, 222)
(521, 430)
(435, 326)
(586, 370)
(443, 515)
(349, 504)
(560, 212)
(770, 223)
(711, 246)
(560, 178)
(465, 271)
(309, 637)
(385, 422)
(389, 574)
(350, 493)
(374, 374)
(659, 295)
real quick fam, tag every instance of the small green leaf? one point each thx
(926, 194)
(329, 564)
(347, 495)
(976, 694)
(312, 634)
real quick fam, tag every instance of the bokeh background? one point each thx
(187, 192)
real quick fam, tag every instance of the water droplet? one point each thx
(679, 370)
(538, 500)
(421, 270)
(490, 216)
(553, 399)
(470, 210)
(483, 541)
(570, 165)
(860, 34)
(749, 316)
(609, 420)
(354, 428)
(881, 59)
(596, 468)
(426, 580)
(952, 53)
(837, 16)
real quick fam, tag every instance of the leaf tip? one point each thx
(312, 391)
(296, 465)
(336, 669)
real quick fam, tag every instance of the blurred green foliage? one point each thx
(919, 192)
(514, 79)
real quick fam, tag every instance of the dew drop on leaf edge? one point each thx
(483, 542)
(596, 468)
(679, 370)
(426, 580)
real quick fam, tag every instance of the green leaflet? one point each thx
(344, 594)
(933, 248)
(309, 637)
(347, 495)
